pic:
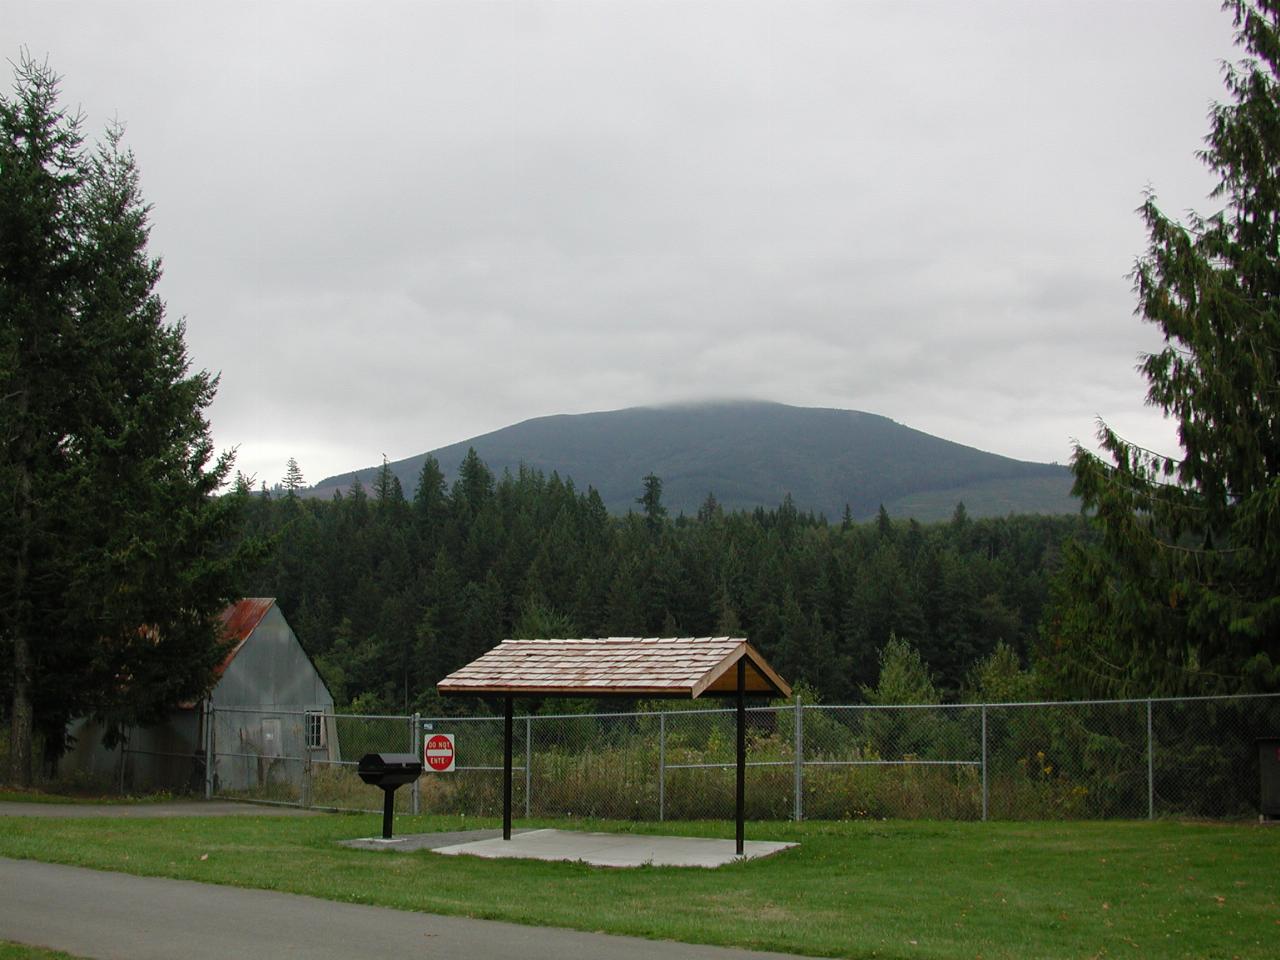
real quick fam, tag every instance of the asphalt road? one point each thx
(97, 914)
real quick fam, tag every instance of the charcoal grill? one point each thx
(389, 771)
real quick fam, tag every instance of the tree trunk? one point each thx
(21, 716)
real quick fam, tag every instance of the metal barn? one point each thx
(268, 709)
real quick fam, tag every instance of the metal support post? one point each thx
(528, 765)
(1151, 768)
(662, 766)
(984, 762)
(209, 718)
(304, 795)
(415, 745)
(506, 771)
(741, 791)
(124, 750)
(797, 812)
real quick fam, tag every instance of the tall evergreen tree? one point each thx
(1182, 593)
(114, 550)
(293, 480)
(386, 485)
(904, 677)
(651, 502)
(473, 488)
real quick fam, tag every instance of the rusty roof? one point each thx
(239, 620)
(660, 666)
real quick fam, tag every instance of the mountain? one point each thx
(752, 454)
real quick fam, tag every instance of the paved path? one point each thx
(180, 808)
(96, 914)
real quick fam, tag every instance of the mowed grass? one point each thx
(855, 889)
(20, 951)
(12, 795)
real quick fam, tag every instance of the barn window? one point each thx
(315, 731)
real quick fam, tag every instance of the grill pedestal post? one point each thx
(388, 810)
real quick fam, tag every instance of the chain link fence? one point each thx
(1021, 761)
(304, 758)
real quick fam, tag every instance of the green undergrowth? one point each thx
(851, 889)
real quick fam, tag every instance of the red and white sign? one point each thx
(437, 752)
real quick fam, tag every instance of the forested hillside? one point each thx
(389, 593)
(752, 454)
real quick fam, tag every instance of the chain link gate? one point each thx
(303, 758)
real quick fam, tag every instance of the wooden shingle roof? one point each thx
(661, 666)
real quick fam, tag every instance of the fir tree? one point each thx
(904, 677)
(293, 481)
(114, 559)
(651, 502)
(473, 488)
(386, 485)
(1182, 593)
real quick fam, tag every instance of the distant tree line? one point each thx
(390, 592)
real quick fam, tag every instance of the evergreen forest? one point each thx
(390, 592)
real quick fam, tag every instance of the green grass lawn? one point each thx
(856, 889)
(14, 795)
(20, 951)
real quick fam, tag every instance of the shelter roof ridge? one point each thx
(686, 666)
(580, 641)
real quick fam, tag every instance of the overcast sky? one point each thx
(393, 226)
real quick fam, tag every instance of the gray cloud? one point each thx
(395, 225)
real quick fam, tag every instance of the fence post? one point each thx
(662, 766)
(984, 762)
(209, 719)
(305, 740)
(1151, 768)
(528, 764)
(797, 812)
(415, 740)
(124, 751)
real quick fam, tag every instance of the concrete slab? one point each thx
(424, 841)
(615, 849)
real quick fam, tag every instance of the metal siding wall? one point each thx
(272, 670)
(160, 756)
(270, 673)
(88, 755)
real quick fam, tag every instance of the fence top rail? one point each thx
(1038, 703)
(518, 716)
(409, 718)
(267, 710)
(311, 712)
